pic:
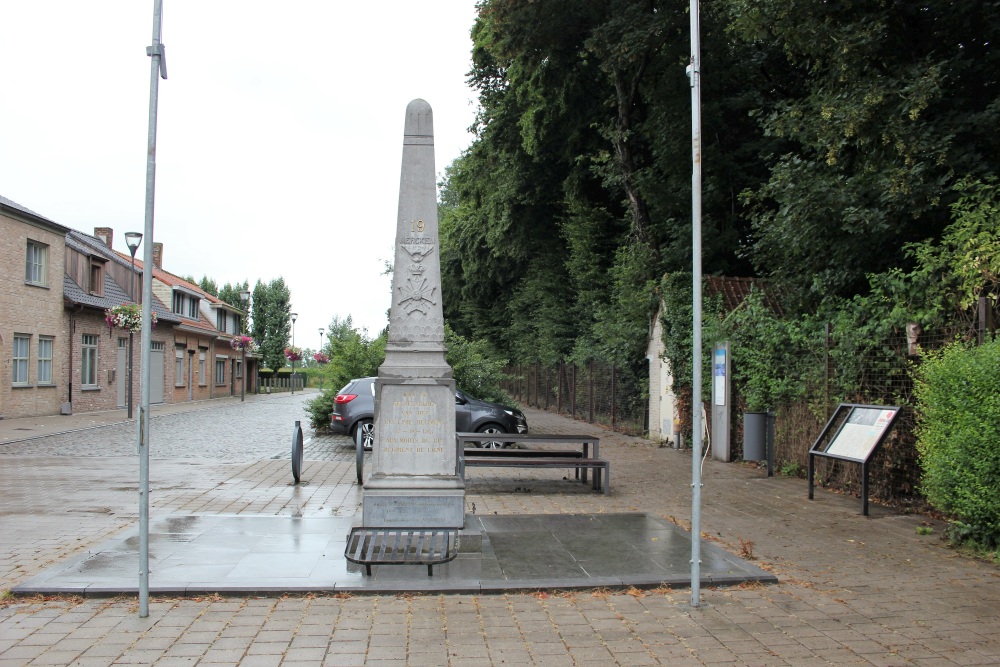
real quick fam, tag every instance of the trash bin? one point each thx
(754, 436)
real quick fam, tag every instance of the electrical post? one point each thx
(694, 73)
(158, 68)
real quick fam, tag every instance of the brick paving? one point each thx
(854, 590)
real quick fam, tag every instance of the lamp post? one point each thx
(294, 316)
(132, 240)
(244, 299)
(321, 351)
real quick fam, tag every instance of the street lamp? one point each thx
(244, 299)
(294, 315)
(132, 240)
(321, 351)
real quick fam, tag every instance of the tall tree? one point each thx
(271, 309)
(896, 101)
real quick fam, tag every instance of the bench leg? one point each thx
(368, 569)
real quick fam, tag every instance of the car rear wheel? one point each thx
(367, 428)
(492, 429)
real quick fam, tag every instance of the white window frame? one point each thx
(21, 357)
(179, 366)
(36, 264)
(46, 351)
(220, 371)
(88, 361)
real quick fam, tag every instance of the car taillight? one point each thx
(344, 398)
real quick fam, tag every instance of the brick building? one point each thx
(34, 329)
(97, 278)
(56, 348)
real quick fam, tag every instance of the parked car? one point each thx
(354, 408)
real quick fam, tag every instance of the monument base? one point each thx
(407, 502)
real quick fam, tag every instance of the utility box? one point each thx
(721, 397)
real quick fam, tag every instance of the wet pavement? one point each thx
(851, 589)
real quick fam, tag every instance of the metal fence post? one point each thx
(572, 397)
(614, 399)
(591, 391)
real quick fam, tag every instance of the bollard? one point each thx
(297, 452)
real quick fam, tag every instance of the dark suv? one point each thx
(354, 408)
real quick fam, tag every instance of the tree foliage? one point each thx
(833, 135)
(271, 320)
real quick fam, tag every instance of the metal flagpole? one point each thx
(158, 68)
(694, 73)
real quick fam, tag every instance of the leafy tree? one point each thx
(230, 293)
(209, 285)
(271, 320)
(894, 100)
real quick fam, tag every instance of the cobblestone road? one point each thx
(233, 433)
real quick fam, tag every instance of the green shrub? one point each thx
(321, 408)
(958, 437)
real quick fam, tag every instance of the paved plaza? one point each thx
(851, 589)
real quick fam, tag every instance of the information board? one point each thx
(860, 433)
(857, 432)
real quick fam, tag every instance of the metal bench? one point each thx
(507, 461)
(401, 546)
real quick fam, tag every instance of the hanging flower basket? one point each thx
(127, 316)
(293, 353)
(321, 358)
(244, 343)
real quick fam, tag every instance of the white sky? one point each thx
(280, 132)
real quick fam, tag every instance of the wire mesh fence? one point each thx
(884, 375)
(597, 392)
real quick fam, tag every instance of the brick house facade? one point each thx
(34, 340)
(96, 279)
(57, 350)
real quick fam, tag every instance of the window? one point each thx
(184, 304)
(202, 377)
(220, 371)
(96, 282)
(22, 348)
(45, 345)
(220, 320)
(179, 365)
(239, 368)
(88, 366)
(35, 272)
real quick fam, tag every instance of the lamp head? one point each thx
(294, 315)
(244, 296)
(132, 240)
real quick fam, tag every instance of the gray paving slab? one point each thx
(200, 555)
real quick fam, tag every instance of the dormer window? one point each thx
(96, 278)
(185, 304)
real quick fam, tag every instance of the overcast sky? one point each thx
(279, 138)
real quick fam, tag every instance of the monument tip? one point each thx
(419, 121)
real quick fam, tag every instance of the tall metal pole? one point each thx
(132, 239)
(694, 73)
(158, 68)
(294, 316)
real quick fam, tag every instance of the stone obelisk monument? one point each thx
(413, 483)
